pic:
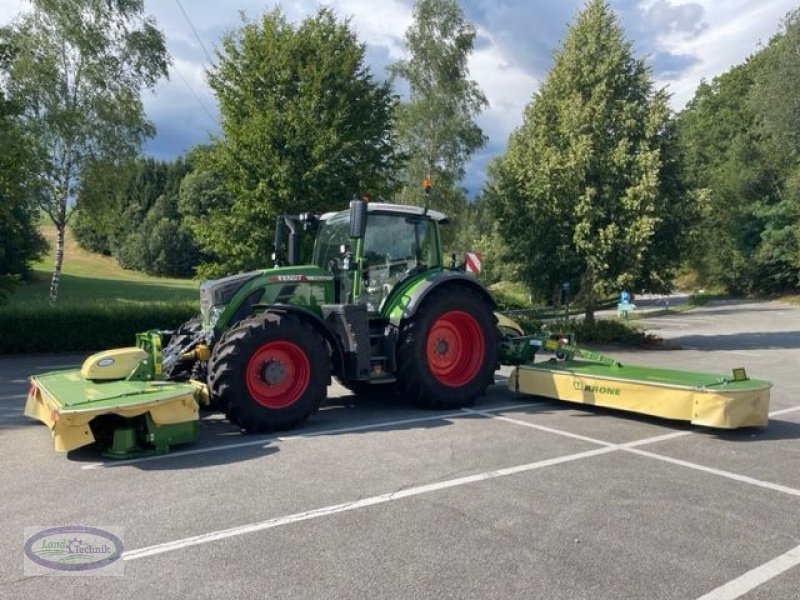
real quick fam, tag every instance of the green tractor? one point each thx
(376, 308)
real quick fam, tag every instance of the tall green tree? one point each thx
(78, 70)
(305, 126)
(741, 136)
(589, 190)
(775, 96)
(436, 127)
(20, 242)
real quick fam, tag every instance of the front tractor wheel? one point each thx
(270, 372)
(447, 353)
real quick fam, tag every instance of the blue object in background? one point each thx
(625, 307)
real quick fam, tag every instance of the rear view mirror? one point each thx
(358, 218)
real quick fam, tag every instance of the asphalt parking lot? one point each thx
(372, 498)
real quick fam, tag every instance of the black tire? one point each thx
(181, 371)
(292, 353)
(416, 376)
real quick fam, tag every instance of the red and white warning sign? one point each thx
(473, 262)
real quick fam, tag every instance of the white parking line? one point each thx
(14, 397)
(355, 505)
(633, 448)
(368, 426)
(784, 411)
(752, 579)
(606, 447)
(657, 438)
(560, 432)
(735, 476)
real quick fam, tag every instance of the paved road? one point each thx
(516, 498)
(650, 303)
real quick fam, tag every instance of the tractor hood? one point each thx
(218, 292)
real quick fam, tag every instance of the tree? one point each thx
(304, 128)
(100, 225)
(20, 242)
(775, 96)
(78, 70)
(436, 127)
(776, 100)
(589, 191)
(131, 212)
(741, 137)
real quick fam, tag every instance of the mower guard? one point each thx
(702, 399)
(67, 403)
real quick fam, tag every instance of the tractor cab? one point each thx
(375, 306)
(369, 258)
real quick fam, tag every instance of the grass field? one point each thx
(93, 278)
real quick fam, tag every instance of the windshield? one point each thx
(334, 232)
(399, 241)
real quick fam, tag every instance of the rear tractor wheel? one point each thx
(447, 352)
(269, 373)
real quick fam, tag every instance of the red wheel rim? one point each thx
(277, 374)
(455, 348)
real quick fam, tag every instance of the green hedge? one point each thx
(510, 297)
(602, 331)
(92, 327)
(611, 331)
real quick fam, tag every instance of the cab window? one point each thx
(393, 245)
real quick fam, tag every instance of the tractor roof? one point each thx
(395, 209)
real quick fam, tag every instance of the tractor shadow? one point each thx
(776, 430)
(219, 443)
(222, 443)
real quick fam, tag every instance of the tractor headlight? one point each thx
(216, 294)
(213, 315)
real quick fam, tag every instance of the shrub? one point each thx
(90, 327)
(701, 298)
(529, 324)
(511, 296)
(610, 331)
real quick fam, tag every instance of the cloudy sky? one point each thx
(683, 40)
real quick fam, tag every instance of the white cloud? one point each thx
(507, 87)
(378, 23)
(687, 40)
(736, 28)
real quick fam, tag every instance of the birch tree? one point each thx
(78, 69)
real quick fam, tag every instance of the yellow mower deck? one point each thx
(701, 398)
(66, 402)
